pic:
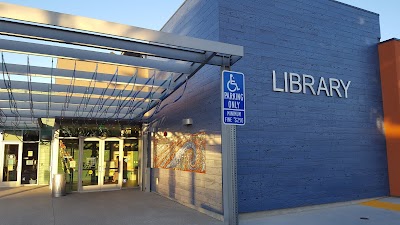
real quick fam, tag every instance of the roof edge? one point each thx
(100, 27)
(355, 7)
(336, 1)
(389, 40)
(170, 18)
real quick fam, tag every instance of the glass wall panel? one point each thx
(10, 162)
(12, 135)
(31, 135)
(44, 161)
(130, 163)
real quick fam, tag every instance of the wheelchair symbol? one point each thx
(232, 85)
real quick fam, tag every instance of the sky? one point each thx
(152, 14)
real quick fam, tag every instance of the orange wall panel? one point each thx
(389, 57)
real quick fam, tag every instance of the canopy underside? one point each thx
(91, 69)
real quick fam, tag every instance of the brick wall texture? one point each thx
(201, 102)
(301, 149)
(295, 149)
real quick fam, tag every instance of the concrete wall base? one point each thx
(204, 211)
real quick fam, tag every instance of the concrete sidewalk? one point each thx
(37, 207)
(7, 191)
(369, 213)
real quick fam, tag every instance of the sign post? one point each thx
(233, 113)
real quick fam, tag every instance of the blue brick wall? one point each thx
(296, 149)
(300, 149)
(196, 18)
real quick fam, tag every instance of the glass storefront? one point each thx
(103, 163)
(95, 162)
(19, 158)
(107, 158)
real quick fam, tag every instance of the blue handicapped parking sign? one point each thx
(233, 98)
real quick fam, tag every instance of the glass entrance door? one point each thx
(101, 164)
(90, 164)
(69, 157)
(112, 177)
(131, 164)
(29, 163)
(11, 164)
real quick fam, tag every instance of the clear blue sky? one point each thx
(153, 14)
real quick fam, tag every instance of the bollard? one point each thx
(58, 187)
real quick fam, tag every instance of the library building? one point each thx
(233, 107)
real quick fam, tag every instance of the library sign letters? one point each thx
(295, 83)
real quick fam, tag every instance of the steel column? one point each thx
(18, 29)
(100, 27)
(93, 56)
(22, 85)
(45, 72)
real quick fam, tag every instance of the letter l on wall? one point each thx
(274, 83)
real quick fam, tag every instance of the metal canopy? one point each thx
(153, 64)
